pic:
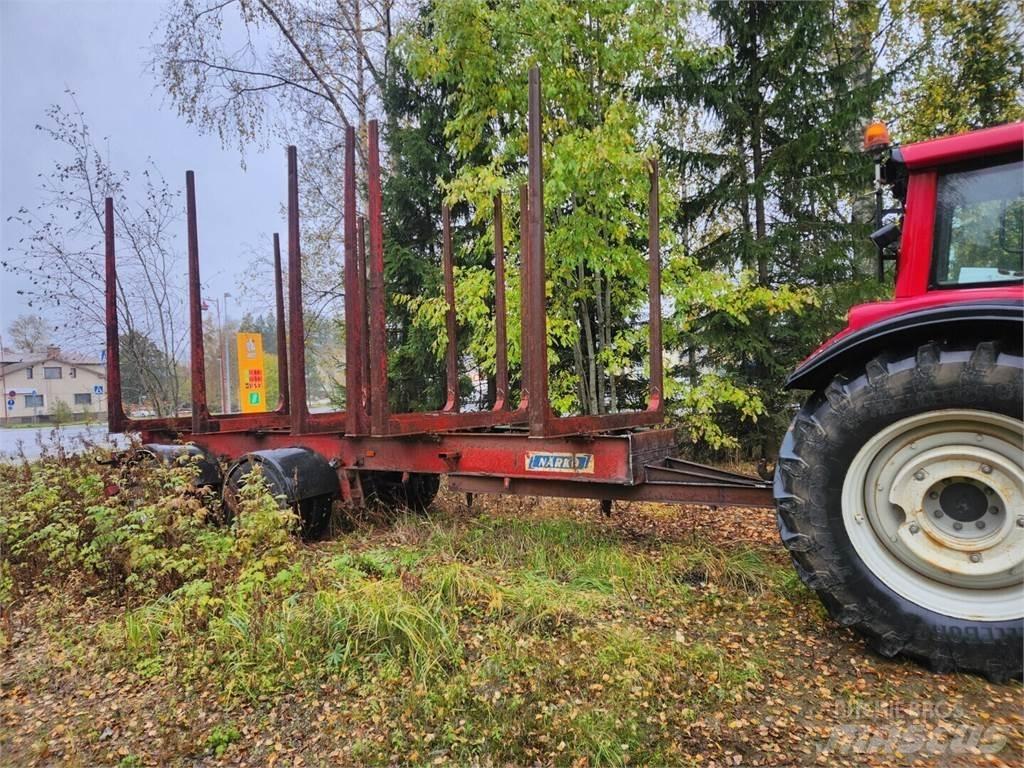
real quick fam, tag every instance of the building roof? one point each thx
(54, 355)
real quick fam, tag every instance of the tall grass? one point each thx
(486, 632)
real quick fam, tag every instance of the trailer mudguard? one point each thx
(295, 473)
(209, 470)
(990, 319)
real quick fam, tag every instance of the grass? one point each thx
(532, 634)
(479, 621)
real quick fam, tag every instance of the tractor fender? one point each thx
(295, 473)
(209, 470)
(960, 321)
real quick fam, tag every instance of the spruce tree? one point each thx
(770, 183)
(418, 158)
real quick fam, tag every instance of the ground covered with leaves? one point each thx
(515, 632)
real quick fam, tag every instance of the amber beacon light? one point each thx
(876, 136)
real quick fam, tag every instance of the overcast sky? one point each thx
(98, 48)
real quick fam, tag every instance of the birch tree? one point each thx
(61, 257)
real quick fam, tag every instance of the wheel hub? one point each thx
(963, 499)
(945, 495)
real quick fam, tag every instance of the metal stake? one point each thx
(452, 353)
(500, 319)
(656, 384)
(115, 408)
(200, 411)
(536, 342)
(353, 287)
(299, 410)
(378, 315)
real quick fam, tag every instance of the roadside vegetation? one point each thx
(138, 632)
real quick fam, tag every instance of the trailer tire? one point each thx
(878, 487)
(388, 489)
(298, 478)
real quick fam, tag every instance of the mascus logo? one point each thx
(576, 463)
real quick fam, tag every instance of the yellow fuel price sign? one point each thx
(252, 385)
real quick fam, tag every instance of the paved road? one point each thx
(33, 441)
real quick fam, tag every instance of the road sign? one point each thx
(10, 402)
(252, 385)
(97, 389)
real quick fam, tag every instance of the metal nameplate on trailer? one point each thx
(573, 463)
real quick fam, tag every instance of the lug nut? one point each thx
(975, 558)
(919, 475)
(980, 525)
(958, 526)
(938, 513)
(933, 495)
(986, 469)
(914, 528)
(993, 510)
(1020, 522)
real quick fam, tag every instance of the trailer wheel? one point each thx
(297, 477)
(900, 495)
(414, 491)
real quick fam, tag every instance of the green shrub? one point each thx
(221, 738)
(61, 413)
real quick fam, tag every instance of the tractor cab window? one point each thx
(979, 226)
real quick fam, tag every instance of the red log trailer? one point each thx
(899, 487)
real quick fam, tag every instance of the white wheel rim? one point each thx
(934, 507)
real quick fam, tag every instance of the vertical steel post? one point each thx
(500, 319)
(115, 409)
(282, 332)
(524, 298)
(353, 309)
(365, 395)
(536, 343)
(299, 410)
(200, 411)
(378, 315)
(452, 352)
(656, 385)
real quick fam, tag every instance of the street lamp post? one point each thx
(3, 380)
(227, 354)
(225, 407)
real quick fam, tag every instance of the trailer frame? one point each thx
(526, 450)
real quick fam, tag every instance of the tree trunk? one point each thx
(581, 382)
(602, 328)
(591, 370)
(612, 392)
(756, 149)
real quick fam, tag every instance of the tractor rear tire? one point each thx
(900, 496)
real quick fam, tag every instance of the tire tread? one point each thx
(802, 519)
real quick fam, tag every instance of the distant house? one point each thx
(35, 384)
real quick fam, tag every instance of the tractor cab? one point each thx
(963, 211)
(955, 235)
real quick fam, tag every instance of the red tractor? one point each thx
(899, 488)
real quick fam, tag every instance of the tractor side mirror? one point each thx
(884, 238)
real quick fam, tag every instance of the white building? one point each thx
(34, 385)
